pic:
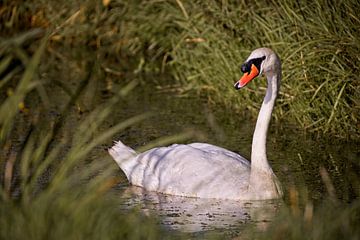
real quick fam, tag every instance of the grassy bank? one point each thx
(47, 141)
(202, 45)
(318, 44)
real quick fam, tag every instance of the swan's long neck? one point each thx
(258, 152)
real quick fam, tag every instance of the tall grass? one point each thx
(317, 42)
(50, 188)
(316, 223)
(202, 45)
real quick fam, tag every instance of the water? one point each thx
(297, 159)
(195, 215)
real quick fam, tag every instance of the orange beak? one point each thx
(247, 77)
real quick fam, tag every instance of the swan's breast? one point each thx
(198, 170)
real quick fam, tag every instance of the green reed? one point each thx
(50, 187)
(201, 47)
(318, 45)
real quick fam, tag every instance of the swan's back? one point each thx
(194, 170)
(204, 170)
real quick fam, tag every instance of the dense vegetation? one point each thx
(200, 46)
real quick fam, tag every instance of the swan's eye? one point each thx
(246, 67)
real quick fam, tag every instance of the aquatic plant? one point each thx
(295, 222)
(45, 191)
(202, 45)
(317, 44)
(50, 187)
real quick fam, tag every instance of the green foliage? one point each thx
(50, 188)
(338, 223)
(202, 45)
(318, 45)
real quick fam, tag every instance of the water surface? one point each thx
(297, 159)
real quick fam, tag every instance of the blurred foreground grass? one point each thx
(330, 220)
(51, 189)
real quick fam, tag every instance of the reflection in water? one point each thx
(198, 214)
(295, 158)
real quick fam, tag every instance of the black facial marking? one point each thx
(246, 67)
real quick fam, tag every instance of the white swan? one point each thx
(207, 171)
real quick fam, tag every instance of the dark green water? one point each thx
(297, 159)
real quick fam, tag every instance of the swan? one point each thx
(206, 171)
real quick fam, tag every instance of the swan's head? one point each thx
(262, 61)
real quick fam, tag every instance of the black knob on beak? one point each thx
(245, 68)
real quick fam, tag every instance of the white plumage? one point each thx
(207, 171)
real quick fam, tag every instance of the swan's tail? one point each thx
(122, 154)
